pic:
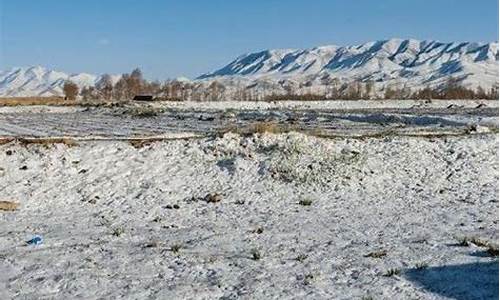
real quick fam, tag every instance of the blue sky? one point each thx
(175, 38)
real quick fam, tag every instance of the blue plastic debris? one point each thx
(36, 240)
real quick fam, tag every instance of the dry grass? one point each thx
(269, 127)
(479, 242)
(256, 255)
(377, 254)
(421, 266)
(263, 127)
(55, 101)
(257, 127)
(8, 206)
(143, 112)
(70, 142)
(16, 101)
(143, 142)
(176, 248)
(305, 202)
(118, 231)
(491, 248)
(392, 272)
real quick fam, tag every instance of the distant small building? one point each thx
(143, 98)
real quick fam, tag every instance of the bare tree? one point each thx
(216, 91)
(120, 90)
(368, 90)
(136, 82)
(70, 90)
(105, 87)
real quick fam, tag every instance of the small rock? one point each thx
(36, 240)
(153, 244)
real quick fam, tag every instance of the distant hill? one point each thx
(39, 81)
(397, 63)
(402, 63)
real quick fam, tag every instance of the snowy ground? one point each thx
(328, 118)
(120, 221)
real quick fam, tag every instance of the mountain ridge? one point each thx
(408, 63)
(369, 61)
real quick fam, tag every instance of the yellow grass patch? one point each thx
(70, 142)
(15, 101)
(8, 206)
(56, 101)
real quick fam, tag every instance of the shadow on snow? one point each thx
(461, 282)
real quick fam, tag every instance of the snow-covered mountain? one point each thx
(39, 81)
(409, 63)
(396, 63)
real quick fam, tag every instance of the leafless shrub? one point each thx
(305, 202)
(118, 231)
(70, 90)
(175, 248)
(255, 253)
(377, 254)
(392, 272)
(421, 266)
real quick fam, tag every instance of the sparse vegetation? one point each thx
(157, 219)
(377, 254)
(463, 242)
(421, 266)
(301, 257)
(143, 112)
(305, 202)
(492, 250)
(295, 161)
(143, 142)
(331, 89)
(70, 142)
(479, 242)
(258, 230)
(255, 254)
(175, 248)
(392, 272)
(256, 127)
(213, 198)
(269, 127)
(308, 279)
(15, 101)
(8, 206)
(118, 231)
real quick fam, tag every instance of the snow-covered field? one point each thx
(326, 118)
(326, 104)
(265, 216)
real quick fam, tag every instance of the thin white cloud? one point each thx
(104, 42)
